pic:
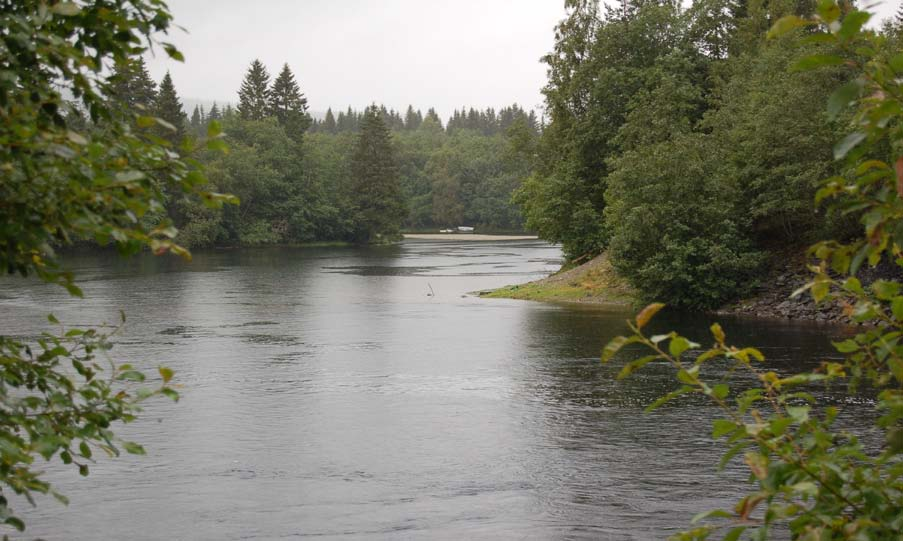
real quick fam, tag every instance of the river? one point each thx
(361, 393)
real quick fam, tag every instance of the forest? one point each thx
(295, 175)
(676, 139)
(687, 145)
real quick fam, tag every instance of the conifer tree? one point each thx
(133, 87)
(288, 104)
(214, 113)
(412, 119)
(375, 184)
(169, 108)
(254, 94)
(329, 123)
(432, 115)
(197, 122)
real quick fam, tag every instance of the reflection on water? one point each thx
(361, 393)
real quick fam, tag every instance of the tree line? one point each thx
(685, 145)
(301, 179)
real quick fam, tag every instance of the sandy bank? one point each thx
(464, 237)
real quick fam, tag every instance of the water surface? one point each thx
(363, 394)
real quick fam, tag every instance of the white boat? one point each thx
(464, 229)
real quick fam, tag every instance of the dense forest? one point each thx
(301, 179)
(687, 145)
(677, 139)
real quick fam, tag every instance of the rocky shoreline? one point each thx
(772, 300)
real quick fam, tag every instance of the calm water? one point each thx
(326, 394)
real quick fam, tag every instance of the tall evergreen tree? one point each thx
(329, 123)
(375, 184)
(254, 94)
(169, 108)
(197, 121)
(288, 104)
(214, 113)
(412, 119)
(133, 87)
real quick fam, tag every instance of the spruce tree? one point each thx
(214, 113)
(169, 108)
(329, 123)
(375, 185)
(197, 122)
(288, 104)
(133, 87)
(254, 94)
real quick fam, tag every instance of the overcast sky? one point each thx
(429, 53)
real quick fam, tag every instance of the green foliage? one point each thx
(168, 108)
(288, 104)
(676, 233)
(254, 94)
(375, 189)
(68, 179)
(819, 481)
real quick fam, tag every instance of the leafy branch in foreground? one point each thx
(63, 396)
(819, 481)
(67, 179)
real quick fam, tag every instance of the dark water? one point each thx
(326, 394)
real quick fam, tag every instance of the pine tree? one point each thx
(214, 113)
(432, 115)
(132, 86)
(197, 122)
(412, 119)
(288, 104)
(253, 97)
(329, 123)
(169, 108)
(375, 184)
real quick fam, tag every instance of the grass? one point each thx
(594, 282)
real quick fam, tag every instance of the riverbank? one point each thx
(594, 282)
(465, 237)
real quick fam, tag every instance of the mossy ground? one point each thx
(594, 282)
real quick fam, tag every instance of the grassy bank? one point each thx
(594, 282)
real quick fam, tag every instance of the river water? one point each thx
(363, 394)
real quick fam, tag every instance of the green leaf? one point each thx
(51, 318)
(165, 373)
(896, 307)
(785, 25)
(842, 97)
(847, 346)
(720, 390)
(720, 427)
(678, 345)
(133, 448)
(633, 366)
(714, 513)
(847, 144)
(735, 534)
(214, 129)
(614, 346)
(668, 397)
(816, 61)
(896, 62)
(15, 523)
(853, 23)
(130, 375)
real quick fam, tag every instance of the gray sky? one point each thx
(440, 53)
(480, 53)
